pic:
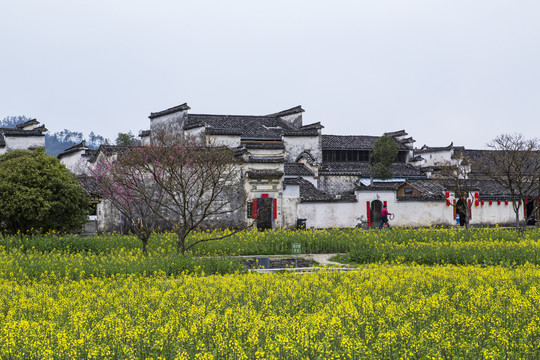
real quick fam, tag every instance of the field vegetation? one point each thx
(428, 293)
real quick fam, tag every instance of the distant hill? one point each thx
(57, 142)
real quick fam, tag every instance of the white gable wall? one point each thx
(75, 162)
(437, 158)
(22, 142)
(224, 140)
(171, 124)
(295, 145)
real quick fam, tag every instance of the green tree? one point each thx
(39, 194)
(127, 139)
(385, 151)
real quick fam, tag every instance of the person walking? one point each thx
(384, 217)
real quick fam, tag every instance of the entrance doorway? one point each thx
(530, 211)
(264, 213)
(376, 208)
(461, 210)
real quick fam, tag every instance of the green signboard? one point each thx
(296, 248)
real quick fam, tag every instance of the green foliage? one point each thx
(127, 139)
(39, 194)
(384, 154)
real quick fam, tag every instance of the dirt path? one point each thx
(323, 259)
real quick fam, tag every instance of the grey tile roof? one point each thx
(291, 111)
(27, 123)
(430, 190)
(352, 142)
(306, 155)
(19, 131)
(264, 174)
(426, 149)
(396, 133)
(249, 127)
(263, 145)
(362, 169)
(296, 169)
(172, 110)
(488, 188)
(76, 147)
(380, 186)
(309, 193)
(90, 154)
(109, 150)
(266, 159)
(39, 131)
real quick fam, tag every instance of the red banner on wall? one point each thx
(368, 213)
(274, 208)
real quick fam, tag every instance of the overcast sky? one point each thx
(461, 71)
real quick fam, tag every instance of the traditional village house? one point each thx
(28, 135)
(301, 176)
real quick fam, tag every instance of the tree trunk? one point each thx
(145, 246)
(181, 242)
(518, 225)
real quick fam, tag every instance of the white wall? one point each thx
(289, 206)
(22, 142)
(295, 145)
(75, 162)
(224, 140)
(495, 214)
(328, 214)
(172, 124)
(436, 158)
(145, 140)
(431, 213)
(334, 184)
(407, 213)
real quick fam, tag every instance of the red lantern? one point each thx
(482, 202)
(476, 195)
(498, 202)
(447, 194)
(447, 202)
(505, 202)
(490, 202)
(476, 202)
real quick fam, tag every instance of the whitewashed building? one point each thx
(307, 177)
(28, 135)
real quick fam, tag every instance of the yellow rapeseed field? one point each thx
(381, 311)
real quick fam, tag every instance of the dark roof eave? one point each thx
(182, 107)
(294, 110)
(329, 200)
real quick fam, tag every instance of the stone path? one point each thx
(323, 259)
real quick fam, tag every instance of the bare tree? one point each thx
(200, 186)
(514, 163)
(126, 184)
(455, 177)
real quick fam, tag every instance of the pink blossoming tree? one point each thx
(200, 187)
(131, 190)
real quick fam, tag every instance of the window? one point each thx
(408, 191)
(346, 155)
